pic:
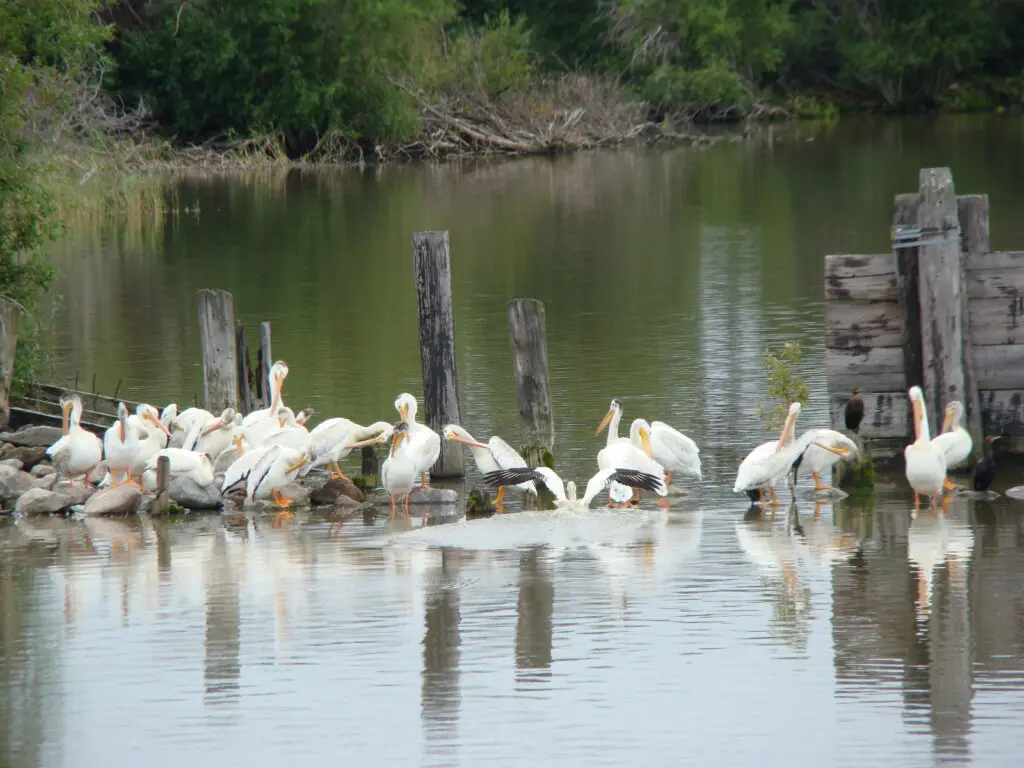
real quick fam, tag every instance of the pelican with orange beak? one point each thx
(491, 456)
(120, 444)
(626, 455)
(421, 444)
(955, 442)
(397, 473)
(258, 424)
(925, 461)
(78, 450)
(146, 419)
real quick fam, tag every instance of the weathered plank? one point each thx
(996, 321)
(432, 270)
(886, 414)
(1002, 412)
(246, 395)
(999, 366)
(867, 277)
(528, 336)
(217, 341)
(940, 278)
(905, 213)
(1005, 283)
(264, 361)
(876, 370)
(162, 502)
(8, 347)
(855, 326)
(972, 215)
(995, 260)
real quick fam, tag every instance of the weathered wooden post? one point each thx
(432, 270)
(264, 361)
(8, 348)
(370, 466)
(217, 340)
(246, 397)
(162, 503)
(905, 215)
(947, 366)
(528, 335)
(974, 240)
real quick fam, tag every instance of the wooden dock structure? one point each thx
(941, 310)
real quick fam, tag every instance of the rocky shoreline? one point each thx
(29, 485)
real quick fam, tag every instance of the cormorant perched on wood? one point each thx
(854, 411)
(985, 470)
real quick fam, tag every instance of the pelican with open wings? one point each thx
(491, 456)
(565, 493)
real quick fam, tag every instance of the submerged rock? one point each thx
(33, 436)
(123, 500)
(334, 492)
(421, 496)
(189, 494)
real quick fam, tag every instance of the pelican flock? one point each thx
(265, 453)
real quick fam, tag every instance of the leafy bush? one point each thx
(299, 67)
(785, 387)
(487, 61)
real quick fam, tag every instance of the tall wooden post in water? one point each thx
(432, 270)
(8, 347)
(945, 338)
(528, 335)
(217, 340)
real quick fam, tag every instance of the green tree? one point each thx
(300, 67)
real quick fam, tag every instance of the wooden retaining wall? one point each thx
(871, 338)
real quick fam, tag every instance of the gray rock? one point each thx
(123, 500)
(47, 482)
(14, 482)
(420, 496)
(74, 494)
(28, 456)
(97, 473)
(333, 491)
(37, 501)
(34, 436)
(16, 463)
(42, 470)
(185, 492)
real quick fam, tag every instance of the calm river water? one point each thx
(827, 635)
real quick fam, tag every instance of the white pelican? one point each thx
(145, 417)
(955, 441)
(120, 445)
(627, 454)
(196, 466)
(421, 443)
(818, 460)
(169, 415)
(611, 420)
(296, 437)
(78, 450)
(925, 461)
(675, 451)
(332, 440)
(184, 421)
(276, 468)
(398, 472)
(218, 434)
(261, 423)
(762, 468)
(565, 493)
(238, 471)
(491, 456)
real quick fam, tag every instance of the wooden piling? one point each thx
(432, 271)
(162, 503)
(217, 340)
(946, 365)
(264, 361)
(246, 396)
(8, 347)
(905, 214)
(973, 215)
(370, 465)
(528, 336)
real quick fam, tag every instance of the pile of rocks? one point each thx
(29, 486)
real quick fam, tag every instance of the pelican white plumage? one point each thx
(421, 444)
(611, 420)
(78, 450)
(565, 493)
(676, 452)
(218, 434)
(955, 442)
(818, 460)
(634, 453)
(275, 469)
(491, 456)
(146, 418)
(332, 440)
(187, 419)
(296, 437)
(238, 471)
(925, 461)
(196, 466)
(258, 424)
(398, 472)
(120, 443)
